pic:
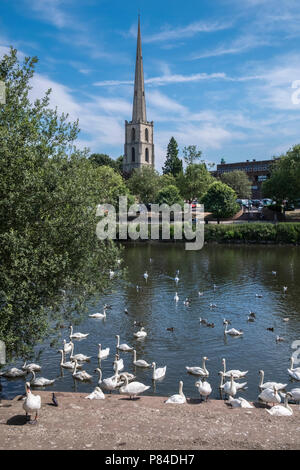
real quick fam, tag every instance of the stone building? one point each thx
(139, 147)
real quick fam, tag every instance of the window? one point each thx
(132, 154)
(133, 134)
(147, 155)
(147, 135)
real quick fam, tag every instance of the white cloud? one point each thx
(241, 44)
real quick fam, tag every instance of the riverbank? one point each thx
(118, 423)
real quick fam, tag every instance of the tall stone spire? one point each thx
(139, 103)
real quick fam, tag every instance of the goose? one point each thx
(239, 402)
(178, 398)
(31, 366)
(158, 373)
(202, 371)
(123, 347)
(141, 333)
(68, 347)
(97, 394)
(40, 381)
(146, 275)
(118, 363)
(79, 357)
(83, 376)
(204, 388)
(237, 374)
(69, 364)
(186, 302)
(270, 395)
(133, 389)
(111, 383)
(233, 332)
(176, 297)
(13, 373)
(262, 385)
(140, 362)
(281, 410)
(294, 373)
(227, 385)
(77, 335)
(103, 353)
(294, 394)
(32, 403)
(98, 314)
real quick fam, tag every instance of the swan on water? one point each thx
(103, 353)
(83, 376)
(68, 347)
(99, 315)
(178, 398)
(31, 404)
(123, 347)
(110, 383)
(227, 385)
(237, 374)
(232, 332)
(77, 335)
(282, 410)
(141, 333)
(133, 389)
(118, 363)
(204, 388)
(40, 381)
(69, 364)
(158, 373)
(140, 362)
(31, 366)
(176, 297)
(79, 357)
(97, 394)
(202, 371)
(13, 372)
(262, 385)
(294, 372)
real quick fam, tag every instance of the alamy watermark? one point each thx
(184, 222)
(2, 93)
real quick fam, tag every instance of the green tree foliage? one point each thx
(191, 155)
(167, 180)
(195, 181)
(220, 200)
(144, 183)
(239, 182)
(51, 259)
(169, 195)
(284, 182)
(173, 164)
(101, 159)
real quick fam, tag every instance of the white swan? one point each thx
(230, 388)
(140, 362)
(123, 347)
(40, 381)
(77, 335)
(133, 389)
(111, 383)
(176, 297)
(158, 373)
(279, 386)
(202, 371)
(270, 395)
(68, 347)
(227, 385)
(118, 363)
(141, 333)
(178, 398)
(103, 353)
(239, 402)
(32, 403)
(204, 388)
(31, 366)
(13, 372)
(233, 331)
(98, 315)
(294, 372)
(281, 410)
(83, 376)
(294, 394)
(176, 279)
(79, 357)
(237, 374)
(97, 394)
(69, 364)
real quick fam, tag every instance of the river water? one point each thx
(238, 273)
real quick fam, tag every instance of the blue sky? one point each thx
(218, 74)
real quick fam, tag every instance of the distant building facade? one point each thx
(139, 147)
(257, 171)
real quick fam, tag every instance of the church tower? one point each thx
(139, 147)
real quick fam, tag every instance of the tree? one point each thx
(167, 180)
(144, 183)
(51, 259)
(169, 195)
(195, 181)
(239, 182)
(101, 159)
(284, 182)
(191, 155)
(220, 199)
(173, 164)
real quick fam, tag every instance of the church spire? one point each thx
(139, 102)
